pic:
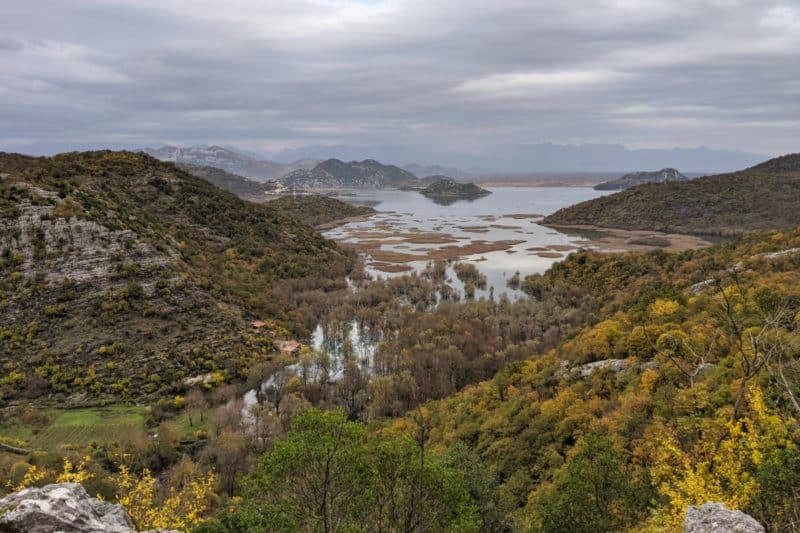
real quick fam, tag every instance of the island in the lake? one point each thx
(448, 189)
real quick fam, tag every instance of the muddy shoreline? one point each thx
(622, 240)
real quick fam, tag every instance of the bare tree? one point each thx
(196, 403)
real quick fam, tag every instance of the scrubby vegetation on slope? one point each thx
(763, 197)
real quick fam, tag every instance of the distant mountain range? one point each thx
(336, 174)
(229, 160)
(637, 178)
(490, 159)
(505, 160)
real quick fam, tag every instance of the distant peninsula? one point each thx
(637, 178)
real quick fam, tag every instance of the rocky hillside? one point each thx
(336, 174)
(638, 178)
(229, 160)
(444, 187)
(242, 187)
(121, 275)
(762, 197)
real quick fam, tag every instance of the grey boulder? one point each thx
(717, 518)
(61, 508)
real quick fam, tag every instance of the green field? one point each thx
(81, 427)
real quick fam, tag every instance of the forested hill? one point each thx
(763, 197)
(120, 275)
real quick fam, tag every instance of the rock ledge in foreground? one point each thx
(716, 518)
(62, 508)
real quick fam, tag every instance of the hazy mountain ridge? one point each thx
(541, 157)
(637, 178)
(242, 187)
(229, 160)
(761, 197)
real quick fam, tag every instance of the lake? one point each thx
(497, 233)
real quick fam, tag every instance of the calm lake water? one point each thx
(484, 219)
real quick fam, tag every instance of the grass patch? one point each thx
(188, 430)
(82, 427)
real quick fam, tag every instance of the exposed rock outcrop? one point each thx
(615, 365)
(699, 287)
(717, 518)
(76, 249)
(63, 508)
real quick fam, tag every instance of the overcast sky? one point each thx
(440, 76)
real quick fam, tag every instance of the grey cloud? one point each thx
(414, 78)
(9, 45)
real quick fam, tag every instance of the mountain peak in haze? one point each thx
(226, 159)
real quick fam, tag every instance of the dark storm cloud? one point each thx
(436, 76)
